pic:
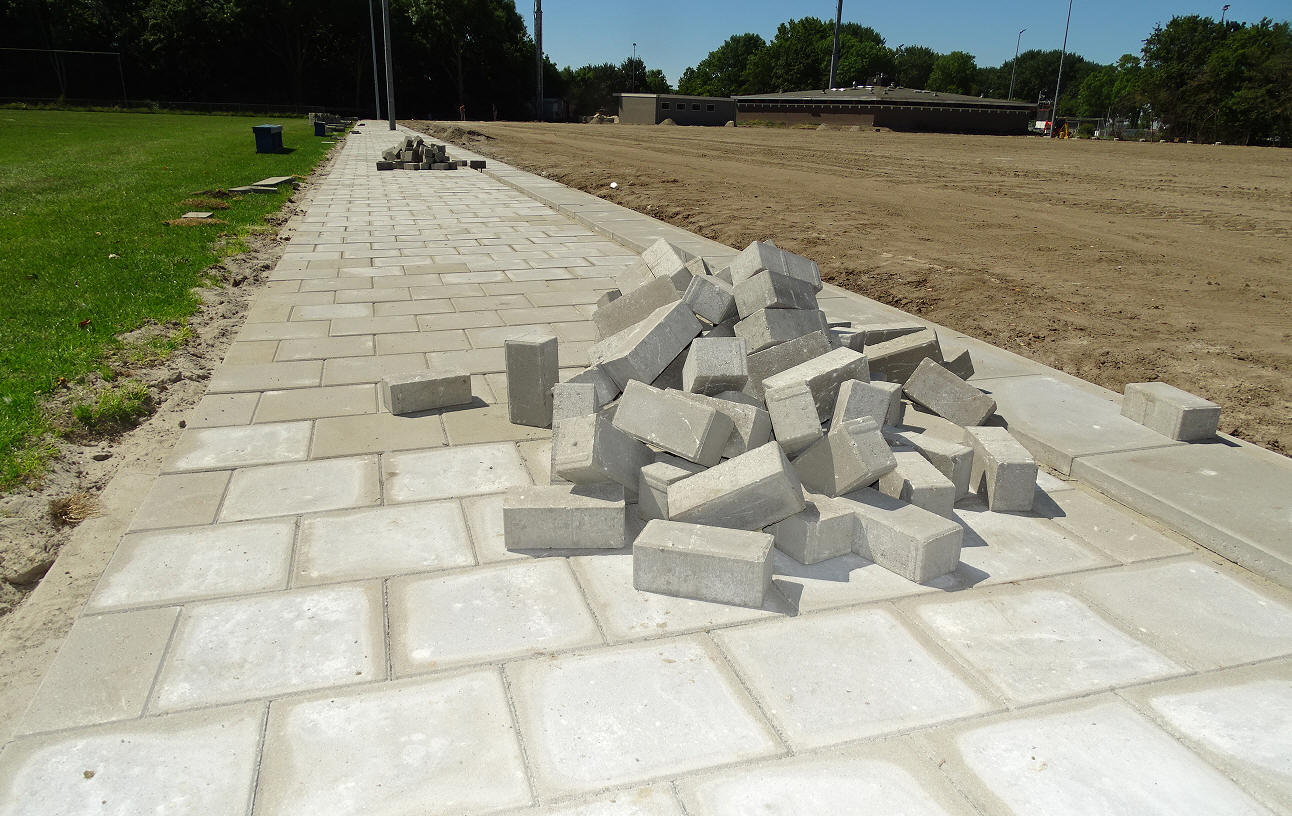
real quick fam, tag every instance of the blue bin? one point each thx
(320, 127)
(269, 138)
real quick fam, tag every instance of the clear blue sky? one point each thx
(675, 34)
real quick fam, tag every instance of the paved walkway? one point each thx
(312, 611)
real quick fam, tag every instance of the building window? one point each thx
(709, 107)
(663, 105)
(695, 106)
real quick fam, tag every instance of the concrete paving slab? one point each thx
(1102, 525)
(843, 581)
(322, 348)
(847, 675)
(121, 652)
(301, 487)
(489, 423)
(1058, 422)
(654, 800)
(217, 410)
(1095, 757)
(193, 563)
(486, 615)
(302, 374)
(632, 713)
(1197, 489)
(136, 767)
(1039, 644)
(249, 352)
(1194, 612)
(350, 370)
(444, 746)
(268, 645)
(374, 433)
(180, 500)
(375, 541)
(237, 446)
(441, 474)
(484, 517)
(310, 403)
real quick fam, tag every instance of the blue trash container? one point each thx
(320, 127)
(269, 138)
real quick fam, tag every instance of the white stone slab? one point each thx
(621, 715)
(1041, 644)
(846, 675)
(655, 800)
(484, 517)
(1102, 525)
(1101, 758)
(198, 562)
(202, 762)
(241, 445)
(486, 615)
(1193, 612)
(438, 747)
(272, 644)
(382, 541)
(843, 581)
(301, 487)
(467, 471)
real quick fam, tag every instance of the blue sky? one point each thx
(675, 34)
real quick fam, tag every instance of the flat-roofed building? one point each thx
(891, 107)
(651, 109)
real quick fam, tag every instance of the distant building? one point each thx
(895, 108)
(651, 109)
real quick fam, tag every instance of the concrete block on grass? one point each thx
(917, 481)
(850, 456)
(703, 563)
(748, 492)
(772, 290)
(667, 420)
(782, 356)
(895, 360)
(710, 298)
(715, 364)
(794, 418)
(653, 482)
(826, 528)
(881, 401)
(590, 450)
(425, 391)
(953, 460)
(768, 327)
(532, 368)
(634, 306)
(948, 396)
(578, 517)
(643, 351)
(823, 376)
(1170, 411)
(1004, 473)
(753, 425)
(905, 539)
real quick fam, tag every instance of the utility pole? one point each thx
(376, 83)
(390, 65)
(1054, 109)
(634, 65)
(1223, 9)
(1013, 71)
(538, 52)
(834, 52)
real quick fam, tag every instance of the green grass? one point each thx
(77, 189)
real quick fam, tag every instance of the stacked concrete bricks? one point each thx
(414, 153)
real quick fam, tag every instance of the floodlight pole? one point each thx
(1014, 70)
(834, 51)
(390, 70)
(1223, 9)
(1054, 109)
(538, 51)
(376, 81)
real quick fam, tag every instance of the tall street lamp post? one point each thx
(376, 82)
(1054, 109)
(390, 71)
(1013, 71)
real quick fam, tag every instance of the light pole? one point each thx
(390, 70)
(1014, 69)
(1054, 111)
(634, 64)
(1223, 9)
(834, 51)
(538, 54)
(376, 82)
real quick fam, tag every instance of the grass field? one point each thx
(85, 253)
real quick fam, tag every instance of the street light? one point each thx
(390, 70)
(1014, 69)
(1054, 110)
(1223, 9)
(376, 86)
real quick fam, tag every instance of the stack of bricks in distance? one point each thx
(414, 153)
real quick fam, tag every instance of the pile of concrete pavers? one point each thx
(416, 154)
(723, 411)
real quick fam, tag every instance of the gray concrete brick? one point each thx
(1004, 473)
(643, 351)
(710, 298)
(532, 371)
(634, 307)
(778, 358)
(671, 376)
(895, 360)
(882, 401)
(579, 517)
(871, 333)
(772, 290)
(726, 328)
(851, 456)
(425, 391)
(826, 528)
(749, 492)
(953, 460)
(823, 375)
(905, 539)
(703, 563)
(590, 449)
(917, 481)
(571, 399)
(667, 420)
(793, 414)
(768, 327)
(960, 365)
(948, 396)
(606, 388)
(608, 296)
(660, 260)
(715, 364)
(1170, 411)
(763, 255)
(753, 425)
(653, 482)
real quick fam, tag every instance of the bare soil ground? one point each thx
(1115, 262)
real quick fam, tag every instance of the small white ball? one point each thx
(614, 185)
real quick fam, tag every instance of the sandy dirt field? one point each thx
(1116, 262)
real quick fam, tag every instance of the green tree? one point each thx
(797, 58)
(954, 73)
(1113, 91)
(1176, 79)
(724, 71)
(1251, 74)
(863, 58)
(913, 64)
